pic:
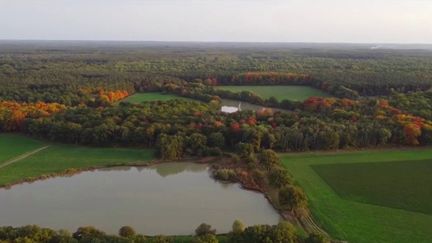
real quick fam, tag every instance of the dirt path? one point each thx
(22, 156)
(312, 226)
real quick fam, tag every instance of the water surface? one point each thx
(172, 198)
(245, 105)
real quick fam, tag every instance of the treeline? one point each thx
(282, 232)
(65, 94)
(265, 78)
(321, 124)
(13, 114)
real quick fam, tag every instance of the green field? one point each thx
(280, 92)
(353, 195)
(151, 96)
(12, 146)
(403, 184)
(59, 157)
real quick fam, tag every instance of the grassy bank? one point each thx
(59, 157)
(280, 92)
(353, 197)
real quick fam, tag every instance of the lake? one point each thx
(170, 199)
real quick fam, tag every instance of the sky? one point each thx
(353, 21)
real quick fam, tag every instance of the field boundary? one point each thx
(22, 156)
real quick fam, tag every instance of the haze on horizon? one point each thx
(355, 21)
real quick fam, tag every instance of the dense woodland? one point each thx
(74, 95)
(334, 68)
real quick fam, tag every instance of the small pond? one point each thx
(245, 105)
(171, 198)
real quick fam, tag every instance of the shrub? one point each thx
(225, 174)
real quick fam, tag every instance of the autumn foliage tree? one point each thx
(412, 132)
(13, 114)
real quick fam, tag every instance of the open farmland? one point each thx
(368, 196)
(57, 158)
(280, 92)
(403, 184)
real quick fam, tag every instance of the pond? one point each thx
(245, 105)
(170, 199)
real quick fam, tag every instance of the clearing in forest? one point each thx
(139, 98)
(280, 92)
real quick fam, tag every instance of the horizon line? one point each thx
(216, 42)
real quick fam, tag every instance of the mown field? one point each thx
(403, 184)
(151, 96)
(280, 92)
(368, 196)
(59, 157)
(12, 146)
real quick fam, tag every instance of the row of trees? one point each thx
(179, 127)
(283, 232)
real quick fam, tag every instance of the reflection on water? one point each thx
(245, 105)
(168, 169)
(172, 198)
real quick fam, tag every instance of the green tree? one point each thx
(268, 158)
(204, 229)
(216, 139)
(126, 231)
(279, 178)
(170, 147)
(196, 143)
(244, 149)
(292, 197)
(238, 227)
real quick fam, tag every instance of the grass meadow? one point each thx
(280, 92)
(12, 146)
(368, 196)
(58, 158)
(139, 98)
